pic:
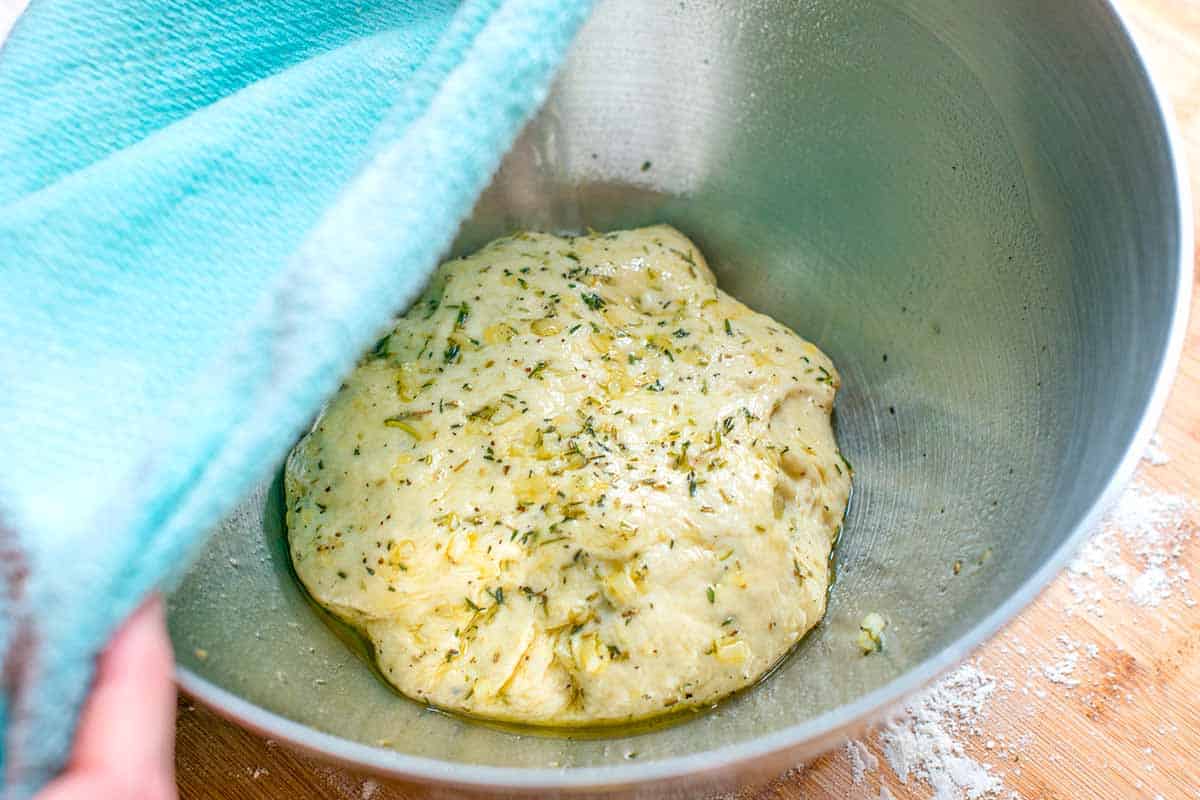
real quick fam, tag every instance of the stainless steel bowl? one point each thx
(974, 207)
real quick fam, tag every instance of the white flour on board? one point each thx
(1062, 671)
(1155, 453)
(924, 744)
(346, 786)
(862, 760)
(1138, 548)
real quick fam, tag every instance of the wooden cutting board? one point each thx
(1085, 706)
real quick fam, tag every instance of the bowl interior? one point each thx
(969, 206)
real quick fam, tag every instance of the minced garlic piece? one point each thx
(870, 633)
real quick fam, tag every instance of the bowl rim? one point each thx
(836, 722)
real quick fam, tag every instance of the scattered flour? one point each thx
(862, 760)
(345, 786)
(1062, 671)
(1138, 548)
(923, 743)
(1155, 453)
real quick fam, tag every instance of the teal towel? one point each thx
(207, 209)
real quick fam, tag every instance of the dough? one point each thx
(577, 484)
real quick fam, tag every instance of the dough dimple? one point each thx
(577, 484)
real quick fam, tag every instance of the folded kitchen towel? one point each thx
(207, 210)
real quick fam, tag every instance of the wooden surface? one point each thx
(1129, 729)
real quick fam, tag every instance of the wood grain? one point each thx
(1130, 729)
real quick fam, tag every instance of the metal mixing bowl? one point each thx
(973, 207)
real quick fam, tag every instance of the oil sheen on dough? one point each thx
(577, 484)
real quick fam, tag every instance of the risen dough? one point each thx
(577, 484)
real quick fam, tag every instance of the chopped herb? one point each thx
(574, 327)
(380, 348)
(537, 370)
(726, 621)
(403, 415)
(680, 333)
(464, 311)
(727, 425)
(471, 605)
(728, 328)
(692, 484)
(485, 413)
(431, 305)
(498, 595)
(593, 300)
(451, 353)
(646, 166)
(681, 460)
(712, 594)
(655, 387)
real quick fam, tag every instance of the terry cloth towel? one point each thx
(208, 208)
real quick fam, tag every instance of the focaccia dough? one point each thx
(577, 484)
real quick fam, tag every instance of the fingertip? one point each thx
(127, 723)
(140, 645)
